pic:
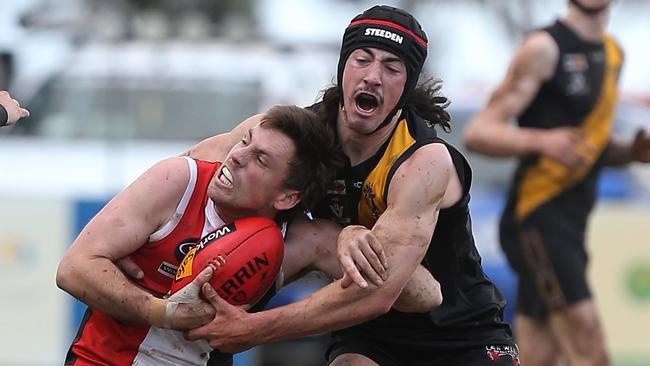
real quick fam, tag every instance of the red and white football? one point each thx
(246, 256)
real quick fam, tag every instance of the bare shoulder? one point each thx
(166, 180)
(216, 148)
(175, 167)
(538, 53)
(430, 156)
(145, 204)
(540, 42)
(425, 173)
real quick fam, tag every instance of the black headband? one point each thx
(393, 30)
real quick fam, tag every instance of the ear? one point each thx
(286, 200)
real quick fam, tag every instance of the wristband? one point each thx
(4, 115)
(158, 312)
(161, 311)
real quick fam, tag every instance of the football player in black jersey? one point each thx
(561, 86)
(404, 188)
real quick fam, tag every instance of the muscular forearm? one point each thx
(101, 285)
(333, 307)
(420, 294)
(502, 139)
(330, 308)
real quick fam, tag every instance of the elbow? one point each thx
(62, 275)
(421, 302)
(471, 139)
(436, 300)
(65, 275)
(436, 297)
(424, 303)
(440, 299)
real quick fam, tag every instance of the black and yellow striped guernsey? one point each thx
(472, 310)
(582, 93)
(543, 226)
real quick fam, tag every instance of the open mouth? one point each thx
(366, 102)
(225, 176)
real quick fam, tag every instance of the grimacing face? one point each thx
(250, 180)
(373, 82)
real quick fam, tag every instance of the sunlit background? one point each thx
(114, 86)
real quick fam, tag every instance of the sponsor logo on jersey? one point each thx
(337, 188)
(339, 213)
(376, 32)
(167, 269)
(369, 196)
(577, 84)
(337, 209)
(597, 56)
(575, 62)
(184, 247)
(185, 268)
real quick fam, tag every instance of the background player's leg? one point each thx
(578, 330)
(537, 343)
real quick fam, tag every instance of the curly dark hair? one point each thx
(426, 101)
(317, 155)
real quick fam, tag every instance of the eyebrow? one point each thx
(386, 59)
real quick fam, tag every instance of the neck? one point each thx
(588, 27)
(225, 215)
(360, 147)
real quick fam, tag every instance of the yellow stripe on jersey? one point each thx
(371, 203)
(547, 178)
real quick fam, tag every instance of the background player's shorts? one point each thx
(548, 253)
(387, 354)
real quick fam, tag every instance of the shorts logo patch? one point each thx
(496, 353)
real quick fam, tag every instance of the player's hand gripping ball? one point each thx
(246, 256)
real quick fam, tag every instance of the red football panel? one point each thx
(251, 268)
(246, 260)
